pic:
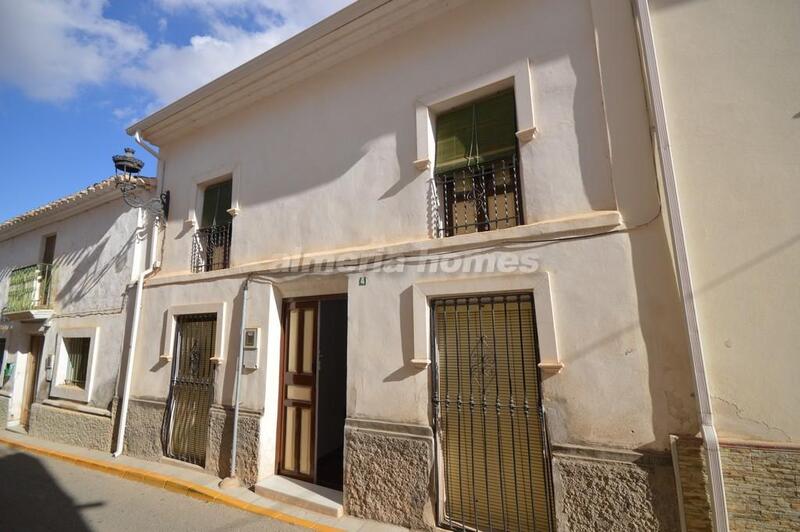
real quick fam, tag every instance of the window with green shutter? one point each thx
(476, 166)
(211, 247)
(216, 203)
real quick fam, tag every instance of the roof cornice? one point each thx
(343, 35)
(88, 198)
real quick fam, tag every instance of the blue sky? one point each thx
(75, 73)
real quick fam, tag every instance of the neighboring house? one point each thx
(460, 309)
(65, 269)
(733, 116)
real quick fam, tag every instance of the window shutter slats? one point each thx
(476, 133)
(495, 471)
(216, 202)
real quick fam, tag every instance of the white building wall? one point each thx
(326, 166)
(732, 112)
(93, 267)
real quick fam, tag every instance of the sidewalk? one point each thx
(197, 484)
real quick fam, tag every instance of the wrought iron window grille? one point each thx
(490, 425)
(211, 248)
(29, 288)
(479, 197)
(77, 361)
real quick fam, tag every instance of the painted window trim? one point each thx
(220, 309)
(516, 75)
(198, 184)
(73, 393)
(538, 283)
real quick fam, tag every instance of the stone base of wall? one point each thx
(143, 429)
(613, 490)
(388, 472)
(71, 427)
(762, 487)
(694, 484)
(220, 436)
(4, 405)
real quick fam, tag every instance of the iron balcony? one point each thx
(29, 293)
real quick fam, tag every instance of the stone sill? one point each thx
(756, 444)
(77, 407)
(582, 224)
(609, 454)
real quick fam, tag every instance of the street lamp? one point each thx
(127, 181)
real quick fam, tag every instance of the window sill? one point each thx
(77, 407)
(582, 224)
(70, 393)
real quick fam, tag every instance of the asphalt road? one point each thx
(40, 493)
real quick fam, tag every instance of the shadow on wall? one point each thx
(34, 501)
(88, 271)
(385, 136)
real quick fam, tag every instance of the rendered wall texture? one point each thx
(73, 428)
(595, 493)
(220, 436)
(387, 476)
(143, 430)
(4, 401)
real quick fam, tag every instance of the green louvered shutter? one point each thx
(216, 202)
(476, 133)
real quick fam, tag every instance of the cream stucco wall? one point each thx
(730, 75)
(327, 165)
(97, 252)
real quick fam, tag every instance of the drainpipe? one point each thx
(709, 433)
(233, 481)
(137, 310)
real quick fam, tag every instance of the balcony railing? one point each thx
(29, 289)
(211, 248)
(480, 197)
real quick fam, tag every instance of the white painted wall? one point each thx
(734, 122)
(327, 165)
(94, 263)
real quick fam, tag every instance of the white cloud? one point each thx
(121, 113)
(50, 48)
(169, 72)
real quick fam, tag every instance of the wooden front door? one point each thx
(313, 390)
(298, 390)
(29, 391)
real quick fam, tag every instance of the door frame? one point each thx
(168, 427)
(286, 306)
(31, 374)
(440, 474)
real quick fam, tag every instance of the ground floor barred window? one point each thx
(493, 454)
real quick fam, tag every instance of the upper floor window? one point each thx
(49, 249)
(211, 247)
(476, 168)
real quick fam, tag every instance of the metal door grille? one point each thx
(493, 456)
(185, 430)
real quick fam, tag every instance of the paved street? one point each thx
(40, 493)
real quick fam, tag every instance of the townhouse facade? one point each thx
(469, 265)
(442, 222)
(64, 276)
